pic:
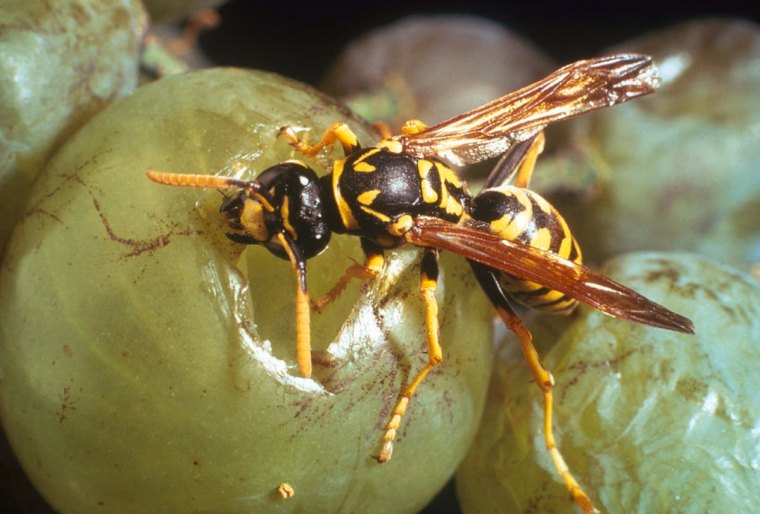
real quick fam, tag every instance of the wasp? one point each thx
(403, 190)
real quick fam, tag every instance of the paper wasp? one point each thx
(402, 191)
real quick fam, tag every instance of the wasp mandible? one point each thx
(402, 190)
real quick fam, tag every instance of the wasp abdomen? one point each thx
(523, 216)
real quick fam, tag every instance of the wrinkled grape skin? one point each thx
(141, 373)
(60, 63)
(648, 420)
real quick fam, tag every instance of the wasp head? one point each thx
(285, 198)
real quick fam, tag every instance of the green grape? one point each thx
(458, 62)
(648, 420)
(148, 363)
(60, 62)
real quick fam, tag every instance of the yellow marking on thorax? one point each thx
(367, 197)
(429, 194)
(367, 154)
(401, 226)
(455, 208)
(363, 167)
(445, 198)
(423, 167)
(360, 165)
(452, 205)
(392, 145)
(344, 210)
(449, 203)
(448, 175)
(379, 215)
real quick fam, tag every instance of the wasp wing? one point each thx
(489, 130)
(548, 269)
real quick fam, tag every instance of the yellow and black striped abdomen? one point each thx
(523, 216)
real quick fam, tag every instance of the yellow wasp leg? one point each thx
(373, 265)
(528, 164)
(412, 127)
(303, 319)
(489, 281)
(428, 286)
(545, 381)
(371, 268)
(338, 131)
(382, 129)
(516, 165)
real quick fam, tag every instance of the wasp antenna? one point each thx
(189, 180)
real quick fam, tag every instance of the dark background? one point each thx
(300, 41)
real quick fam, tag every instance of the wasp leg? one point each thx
(528, 164)
(383, 130)
(338, 131)
(412, 127)
(518, 163)
(490, 284)
(373, 265)
(303, 321)
(428, 286)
